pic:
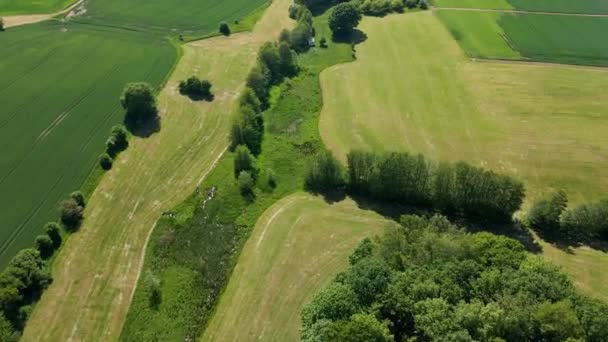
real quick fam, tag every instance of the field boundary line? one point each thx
(540, 64)
(515, 11)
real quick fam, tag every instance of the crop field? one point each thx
(540, 123)
(557, 6)
(537, 37)
(296, 248)
(59, 92)
(16, 7)
(97, 270)
(188, 18)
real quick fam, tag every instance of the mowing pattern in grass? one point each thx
(96, 271)
(296, 248)
(558, 6)
(59, 92)
(188, 17)
(543, 124)
(538, 37)
(16, 7)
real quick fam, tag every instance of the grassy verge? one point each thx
(194, 249)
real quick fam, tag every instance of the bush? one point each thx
(1, 24)
(105, 161)
(118, 141)
(324, 174)
(79, 198)
(52, 229)
(245, 182)
(271, 179)
(195, 88)
(294, 10)
(140, 102)
(44, 245)
(71, 214)
(343, 19)
(323, 42)
(424, 5)
(588, 220)
(545, 214)
(224, 28)
(243, 160)
(153, 285)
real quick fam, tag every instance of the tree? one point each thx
(1, 24)
(224, 28)
(269, 56)
(120, 139)
(258, 81)
(140, 102)
(587, 220)
(335, 302)
(363, 328)
(424, 5)
(369, 279)
(362, 251)
(195, 88)
(287, 60)
(105, 161)
(52, 229)
(343, 19)
(44, 245)
(79, 198)
(557, 321)
(71, 213)
(294, 10)
(323, 42)
(6, 329)
(245, 182)
(545, 214)
(300, 37)
(249, 99)
(243, 160)
(324, 173)
(271, 178)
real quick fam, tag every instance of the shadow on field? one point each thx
(354, 38)
(566, 243)
(144, 129)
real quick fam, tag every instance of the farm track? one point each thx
(514, 11)
(96, 272)
(18, 20)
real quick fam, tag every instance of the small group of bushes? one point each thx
(552, 216)
(429, 280)
(196, 88)
(454, 189)
(224, 28)
(299, 38)
(116, 143)
(139, 100)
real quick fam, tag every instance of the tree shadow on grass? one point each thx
(566, 242)
(355, 37)
(199, 97)
(144, 129)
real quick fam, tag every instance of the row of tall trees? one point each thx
(430, 281)
(551, 215)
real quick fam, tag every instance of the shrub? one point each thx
(6, 329)
(71, 214)
(79, 198)
(271, 178)
(424, 5)
(140, 102)
(105, 161)
(155, 294)
(1, 24)
(195, 88)
(44, 245)
(224, 28)
(294, 10)
(343, 19)
(245, 182)
(324, 173)
(589, 220)
(545, 214)
(323, 42)
(52, 229)
(120, 139)
(243, 160)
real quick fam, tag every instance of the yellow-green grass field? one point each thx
(296, 248)
(544, 124)
(96, 271)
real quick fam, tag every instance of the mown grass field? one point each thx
(189, 17)
(16, 7)
(59, 92)
(558, 6)
(540, 123)
(295, 249)
(537, 37)
(96, 272)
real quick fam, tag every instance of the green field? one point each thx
(296, 248)
(541, 123)
(559, 6)
(189, 17)
(16, 7)
(59, 91)
(537, 37)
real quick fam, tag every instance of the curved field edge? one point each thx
(96, 271)
(193, 251)
(540, 123)
(297, 247)
(555, 6)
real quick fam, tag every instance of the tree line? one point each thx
(451, 188)
(586, 221)
(428, 280)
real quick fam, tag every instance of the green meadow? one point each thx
(59, 91)
(17, 7)
(558, 6)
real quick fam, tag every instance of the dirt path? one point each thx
(96, 272)
(17, 20)
(516, 11)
